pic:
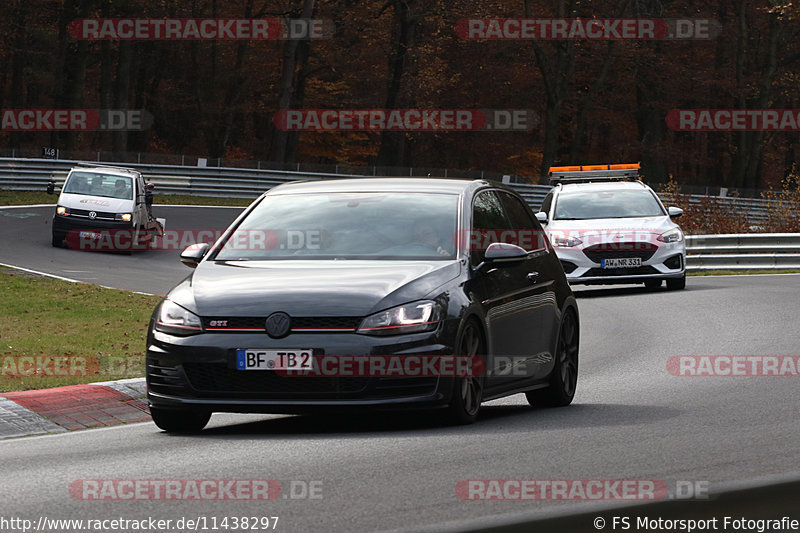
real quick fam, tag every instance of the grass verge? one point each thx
(57, 333)
(41, 197)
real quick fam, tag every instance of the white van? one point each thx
(104, 208)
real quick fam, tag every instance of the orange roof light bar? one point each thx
(584, 168)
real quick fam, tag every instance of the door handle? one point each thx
(532, 276)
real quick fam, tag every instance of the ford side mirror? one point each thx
(674, 212)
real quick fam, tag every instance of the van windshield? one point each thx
(94, 184)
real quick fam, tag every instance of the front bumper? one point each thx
(667, 261)
(199, 372)
(63, 225)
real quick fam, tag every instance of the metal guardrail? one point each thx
(706, 252)
(747, 251)
(34, 174)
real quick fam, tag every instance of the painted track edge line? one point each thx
(62, 278)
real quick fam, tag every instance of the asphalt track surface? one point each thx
(25, 235)
(631, 419)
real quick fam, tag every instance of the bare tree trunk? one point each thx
(586, 103)
(748, 159)
(122, 87)
(393, 143)
(73, 60)
(556, 73)
(288, 85)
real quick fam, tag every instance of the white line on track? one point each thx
(62, 278)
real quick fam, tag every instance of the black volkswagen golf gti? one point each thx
(315, 279)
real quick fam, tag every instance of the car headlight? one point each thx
(63, 211)
(565, 242)
(409, 318)
(673, 235)
(125, 217)
(175, 320)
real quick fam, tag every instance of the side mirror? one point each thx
(501, 253)
(51, 187)
(148, 194)
(193, 254)
(541, 216)
(674, 212)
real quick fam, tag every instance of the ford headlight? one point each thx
(565, 242)
(673, 235)
(415, 317)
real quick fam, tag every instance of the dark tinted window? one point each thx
(488, 222)
(546, 203)
(527, 231)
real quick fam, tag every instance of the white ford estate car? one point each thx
(608, 227)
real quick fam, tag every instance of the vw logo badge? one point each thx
(278, 325)
(92, 215)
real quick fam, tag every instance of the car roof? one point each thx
(604, 186)
(112, 171)
(389, 184)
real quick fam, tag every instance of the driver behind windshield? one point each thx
(426, 234)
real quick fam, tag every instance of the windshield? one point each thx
(347, 226)
(607, 204)
(94, 184)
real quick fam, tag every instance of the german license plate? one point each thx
(93, 235)
(285, 359)
(622, 262)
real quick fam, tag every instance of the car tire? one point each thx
(179, 420)
(564, 378)
(58, 241)
(652, 284)
(676, 284)
(465, 403)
